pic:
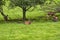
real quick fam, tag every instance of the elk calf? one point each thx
(27, 22)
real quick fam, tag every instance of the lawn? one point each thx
(39, 29)
(34, 31)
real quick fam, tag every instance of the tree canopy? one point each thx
(51, 6)
(26, 4)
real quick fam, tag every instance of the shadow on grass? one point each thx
(11, 21)
(36, 19)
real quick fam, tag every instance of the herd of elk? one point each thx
(52, 14)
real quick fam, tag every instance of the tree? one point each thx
(57, 7)
(2, 2)
(25, 5)
(52, 6)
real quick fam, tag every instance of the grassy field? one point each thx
(40, 29)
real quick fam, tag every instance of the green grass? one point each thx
(35, 31)
(40, 29)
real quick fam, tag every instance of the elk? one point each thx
(55, 18)
(27, 22)
(50, 14)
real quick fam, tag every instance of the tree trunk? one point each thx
(24, 14)
(4, 16)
